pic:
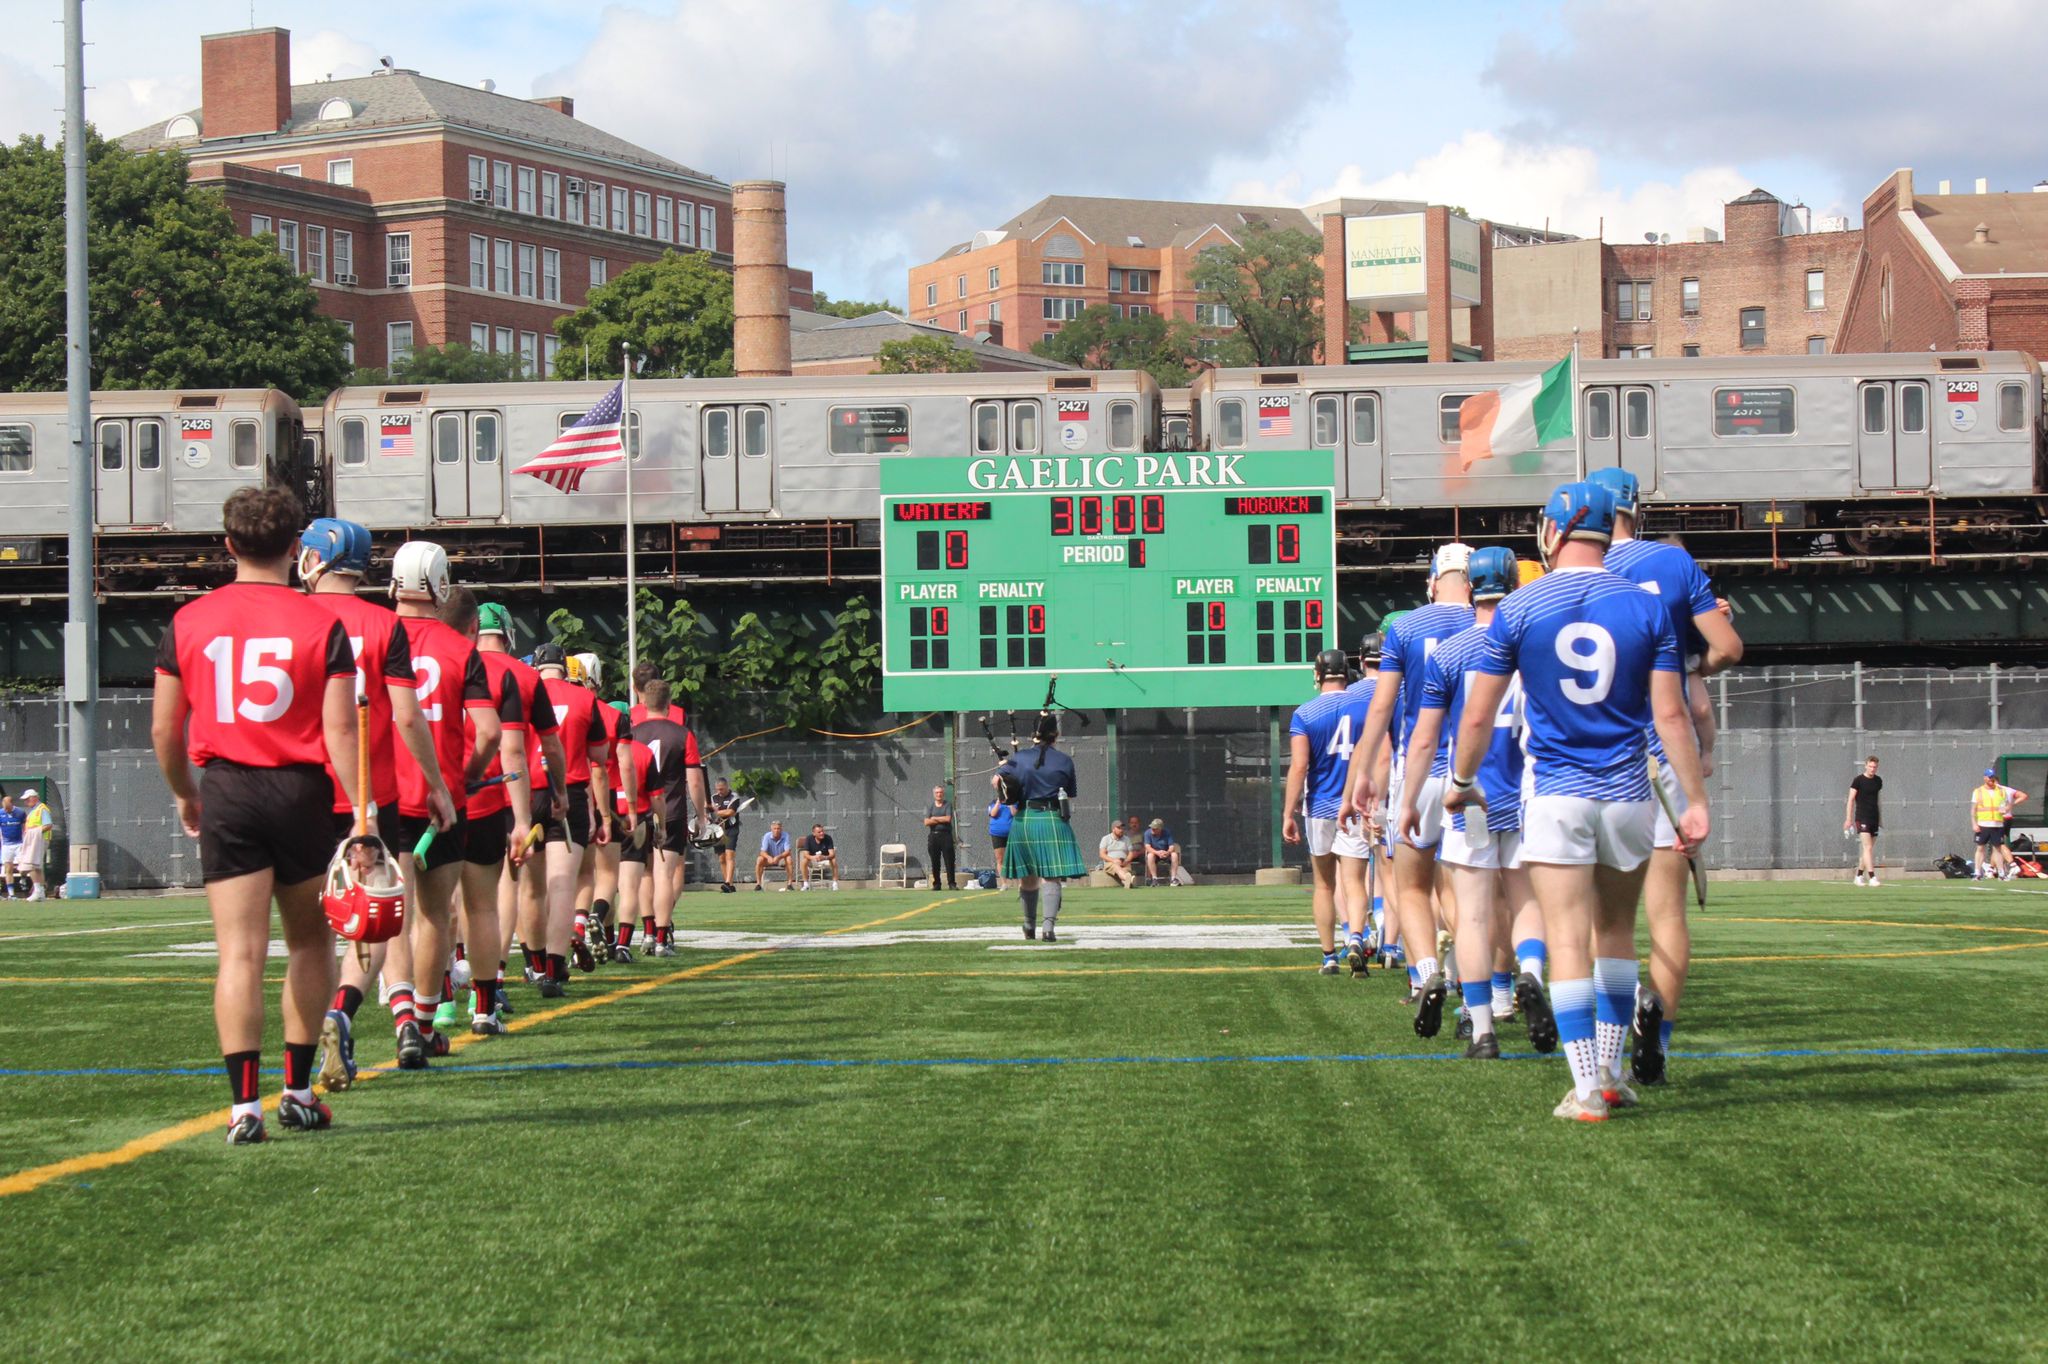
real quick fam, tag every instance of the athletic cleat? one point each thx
(623, 955)
(446, 1014)
(532, 976)
(664, 949)
(1647, 1065)
(580, 951)
(1875, 882)
(247, 1130)
(1485, 1048)
(504, 1009)
(1616, 1091)
(728, 888)
(1030, 931)
(1463, 1032)
(1329, 967)
(1429, 1008)
(436, 1043)
(487, 1025)
(1355, 957)
(1534, 1007)
(1047, 935)
(412, 1048)
(1859, 878)
(312, 1117)
(1575, 1109)
(337, 1052)
(550, 988)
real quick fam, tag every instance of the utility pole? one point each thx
(82, 628)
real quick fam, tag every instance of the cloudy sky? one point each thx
(904, 125)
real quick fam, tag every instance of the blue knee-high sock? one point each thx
(1532, 956)
(1478, 1004)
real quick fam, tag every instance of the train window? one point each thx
(1875, 400)
(1178, 429)
(483, 435)
(245, 445)
(355, 442)
(1024, 427)
(17, 449)
(448, 438)
(2012, 407)
(1447, 416)
(1325, 412)
(868, 431)
(1123, 426)
(754, 432)
(718, 433)
(113, 445)
(1365, 419)
(988, 429)
(149, 445)
(1912, 409)
(1230, 424)
(1599, 415)
(1754, 412)
(1635, 414)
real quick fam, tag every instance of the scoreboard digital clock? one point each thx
(1142, 580)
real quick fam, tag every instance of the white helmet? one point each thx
(1456, 557)
(420, 571)
(592, 670)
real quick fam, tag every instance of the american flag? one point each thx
(592, 441)
(394, 435)
(1276, 420)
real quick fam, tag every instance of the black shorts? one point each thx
(490, 838)
(384, 826)
(450, 846)
(254, 819)
(998, 841)
(1991, 838)
(574, 827)
(1870, 828)
(675, 836)
(642, 855)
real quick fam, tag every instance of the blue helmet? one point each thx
(336, 545)
(1622, 484)
(1494, 573)
(1581, 511)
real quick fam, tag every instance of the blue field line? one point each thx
(926, 1063)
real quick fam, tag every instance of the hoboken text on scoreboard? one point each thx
(1141, 580)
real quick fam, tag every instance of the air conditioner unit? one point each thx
(398, 281)
(345, 278)
(575, 185)
(478, 194)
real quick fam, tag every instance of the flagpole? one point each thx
(1578, 410)
(626, 441)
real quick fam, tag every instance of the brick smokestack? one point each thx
(561, 104)
(245, 82)
(760, 279)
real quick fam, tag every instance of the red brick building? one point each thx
(426, 212)
(1950, 271)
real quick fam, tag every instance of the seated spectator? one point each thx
(817, 850)
(774, 853)
(1162, 851)
(1116, 855)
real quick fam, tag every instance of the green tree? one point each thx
(925, 355)
(849, 307)
(178, 298)
(1272, 282)
(677, 312)
(1099, 339)
(454, 363)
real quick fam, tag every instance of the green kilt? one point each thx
(1041, 844)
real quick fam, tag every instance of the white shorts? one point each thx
(1429, 811)
(1322, 837)
(1667, 837)
(1503, 849)
(8, 852)
(1353, 841)
(1578, 831)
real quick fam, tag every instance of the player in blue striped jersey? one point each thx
(1599, 664)
(1710, 642)
(1409, 644)
(1482, 848)
(1361, 853)
(1321, 737)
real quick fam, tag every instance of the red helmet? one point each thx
(365, 895)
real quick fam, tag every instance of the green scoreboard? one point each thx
(1141, 580)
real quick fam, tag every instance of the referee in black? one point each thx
(1041, 849)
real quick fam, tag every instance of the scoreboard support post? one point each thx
(1109, 784)
(1276, 763)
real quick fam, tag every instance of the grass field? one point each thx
(1168, 1137)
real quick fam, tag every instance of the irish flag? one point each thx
(1522, 416)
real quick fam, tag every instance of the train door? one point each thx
(1620, 426)
(1894, 448)
(468, 465)
(1008, 427)
(129, 476)
(734, 451)
(1348, 424)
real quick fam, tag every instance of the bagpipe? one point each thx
(1010, 786)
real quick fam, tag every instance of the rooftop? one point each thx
(1153, 223)
(815, 337)
(2018, 236)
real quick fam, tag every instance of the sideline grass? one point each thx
(1079, 1206)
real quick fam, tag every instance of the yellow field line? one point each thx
(25, 1181)
(1887, 923)
(1886, 956)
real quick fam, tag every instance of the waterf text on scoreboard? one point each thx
(1142, 580)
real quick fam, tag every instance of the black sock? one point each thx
(558, 966)
(534, 960)
(241, 1067)
(298, 1064)
(350, 999)
(601, 910)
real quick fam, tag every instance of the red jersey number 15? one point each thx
(256, 673)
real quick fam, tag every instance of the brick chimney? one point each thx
(760, 279)
(245, 82)
(561, 104)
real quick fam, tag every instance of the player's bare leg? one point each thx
(1670, 947)
(1415, 873)
(1866, 862)
(480, 939)
(1476, 902)
(530, 894)
(1524, 916)
(1323, 899)
(1570, 909)
(1616, 975)
(564, 861)
(1354, 893)
(588, 875)
(308, 984)
(433, 938)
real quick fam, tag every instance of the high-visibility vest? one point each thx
(1989, 802)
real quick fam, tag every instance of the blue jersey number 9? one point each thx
(1588, 649)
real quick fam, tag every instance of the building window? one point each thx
(525, 186)
(480, 338)
(316, 251)
(686, 223)
(620, 206)
(595, 217)
(931, 295)
(259, 223)
(1632, 301)
(960, 286)
(479, 261)
(1884, 300)
(550, 194)
(550, 352)
(1137, 281)
(664, 218)
(1752, 328)
(501, 183)
(1689, 351)
(707, 227)
(529, 353)
(1116, 280)
(1063, 309)
(1816, 289)
(479, 179)
(341, 172)
(397, 341)
(501, 266)
(1689, 298)
(1634, 352)
(550, 275)
(1214, 315)
(995, 312)
(572, 203)
(1816, 345)
(995, 276)
(1066, 275)
(288, 242)
(1139, 310)
(292, 169)
(1117, 309)
(597, 271)
(504, 340)
(961, 327)
(1062, 244)
(344, 258)
(643, 213)
(526, 270)
(398, 261)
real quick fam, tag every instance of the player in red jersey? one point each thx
(255, 686)
(451, 680)
(638, 850)
(570, 828)
(597, 881)
(334, 557)
(679, 772)
(524, 879)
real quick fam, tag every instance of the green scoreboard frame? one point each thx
(1140, 580)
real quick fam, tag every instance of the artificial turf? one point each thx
(1199, 1150)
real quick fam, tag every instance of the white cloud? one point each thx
(1529, 185)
